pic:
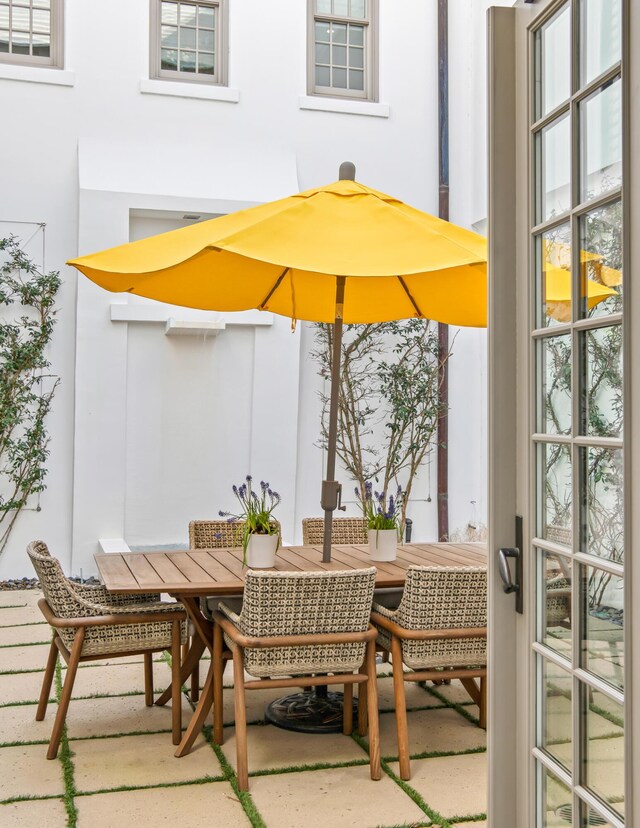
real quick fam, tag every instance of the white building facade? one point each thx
(154, 418)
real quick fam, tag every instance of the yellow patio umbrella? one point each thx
(557, 290)
(339, 253)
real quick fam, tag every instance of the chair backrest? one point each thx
(55, 586)
(297, 603)
(441, 598)
(214, 534)
(217, 534)
(343, 530)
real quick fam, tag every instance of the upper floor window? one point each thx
(188, 41)
(342, 48)
(31, 32)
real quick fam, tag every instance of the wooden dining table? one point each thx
(191, 574)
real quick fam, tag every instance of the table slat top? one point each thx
(220, 571)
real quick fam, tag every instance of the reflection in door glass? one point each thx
(603, 506)
(553, 64)
(553, 169)
(553, 276)
(601, 30)
(555, 800)
(601, 141)
(604, 749)
(601, 260)
(602, 642)
(602, 393)
(555, 727)
(554, 384)
(554, 475)
(555, 608)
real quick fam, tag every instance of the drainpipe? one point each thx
(443, 212)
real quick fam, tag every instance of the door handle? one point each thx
(505, 573)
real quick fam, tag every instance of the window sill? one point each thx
(37, 74)
(189, 90)
(355, 107)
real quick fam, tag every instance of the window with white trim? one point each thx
(342, 48)
(31, 32)
(189, 41)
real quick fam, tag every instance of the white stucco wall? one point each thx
(148, 431)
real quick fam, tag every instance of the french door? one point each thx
(564, 331)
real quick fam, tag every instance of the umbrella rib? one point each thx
(273, 289)
(411, 299)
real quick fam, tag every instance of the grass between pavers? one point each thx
(65, 756)
(26, 624)
(26, 644)
(460, 708)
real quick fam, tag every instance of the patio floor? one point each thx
(116, 760)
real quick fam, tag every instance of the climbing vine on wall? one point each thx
(27, 320)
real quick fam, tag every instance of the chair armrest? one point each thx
(231, 615)
(99, 594)
(135, 616)
(426, 635)
(386, 611)
(251, 642)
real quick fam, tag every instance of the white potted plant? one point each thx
(383, 521)
(259, 532)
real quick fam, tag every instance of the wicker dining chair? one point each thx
(343, 530)
(294, 624)
(90, 623)
(439, 632)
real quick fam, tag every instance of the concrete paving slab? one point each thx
(213, 803)
(45, 813)
(21, 687)
(139, 760)
(119, 714)
(18, 724)
(25, 634)
(432, 731)
(117, 679)
(26, 771)
(272, 747)
(451, 785)
(32, 657)
(338, 797)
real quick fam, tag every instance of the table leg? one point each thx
(202, 639)
(199, 715)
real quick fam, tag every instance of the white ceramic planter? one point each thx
(261, 551)
(383, 544)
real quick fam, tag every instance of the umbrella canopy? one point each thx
(285, 256)
(339, 253)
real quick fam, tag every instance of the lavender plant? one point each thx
(255, 513)
(380, 512)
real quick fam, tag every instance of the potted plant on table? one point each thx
(383, 521)
(259, 532)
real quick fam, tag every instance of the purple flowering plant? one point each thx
(380, 512)
(255, 512)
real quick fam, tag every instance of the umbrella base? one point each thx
(309, 712)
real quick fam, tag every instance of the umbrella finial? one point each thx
(347, 171)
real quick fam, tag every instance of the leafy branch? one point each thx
(26, 386)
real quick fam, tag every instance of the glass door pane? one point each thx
(578, 407)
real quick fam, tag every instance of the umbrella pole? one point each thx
(331, 489)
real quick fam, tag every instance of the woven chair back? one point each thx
(217, 534)
(54, 584)
(441, 598)
(343, 530)
(296, 603)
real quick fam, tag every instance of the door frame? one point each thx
(511, 783)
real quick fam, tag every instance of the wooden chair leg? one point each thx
(176, 691)
(482, 718)
(47, 681)
(363, 723)
(241, 719)
(195, 683)
(199, 715)
(347, 710)
(65, 698)
(401, 709)
(148, 679)
(218, 670)
(373, 715)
